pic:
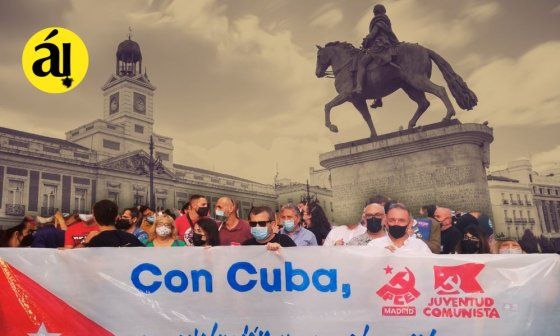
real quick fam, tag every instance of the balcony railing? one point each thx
(531, 220)
(513, 202)
(509, 220)
(15, 209)
(528, 203)
(47, 211)
(505, 202)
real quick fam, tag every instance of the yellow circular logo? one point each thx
(55, 60)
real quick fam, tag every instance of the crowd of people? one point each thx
(385, 224)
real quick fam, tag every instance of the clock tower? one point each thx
(128, 94)
(128, 112)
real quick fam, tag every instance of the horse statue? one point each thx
(410, 70)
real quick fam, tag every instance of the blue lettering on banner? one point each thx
(257, 331)
(135, 277)
(242, 277)
(295, 279)
(175, 281)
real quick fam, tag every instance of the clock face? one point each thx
(139, 102)
(114, 103)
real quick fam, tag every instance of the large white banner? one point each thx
(248, 291)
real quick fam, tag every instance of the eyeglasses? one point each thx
(259, 223)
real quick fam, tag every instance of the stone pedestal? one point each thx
(441, 164)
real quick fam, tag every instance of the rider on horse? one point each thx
(377, 45)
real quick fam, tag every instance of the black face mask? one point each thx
(469, 246)
(397, 231)
(197, 240)
(123, 224)
(26, 241)
(202, 211)
(373, 224)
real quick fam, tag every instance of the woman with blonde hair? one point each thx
(163, 233)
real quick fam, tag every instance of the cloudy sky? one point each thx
(236, 85)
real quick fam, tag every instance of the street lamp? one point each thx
(154, 165)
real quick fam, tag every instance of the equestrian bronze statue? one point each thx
(382, 66)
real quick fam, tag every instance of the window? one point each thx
(111, 127)
(113, 196)
(49, 197)
(161, 203)
(505, 214)
(80, 197)
(16, 191)
(111, 144)
(90, 127)
(139, 129)
(528, 214)
(514, 214)
(138, 199)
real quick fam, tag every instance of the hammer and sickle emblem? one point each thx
(451, 285)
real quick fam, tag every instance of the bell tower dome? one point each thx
(129, 58)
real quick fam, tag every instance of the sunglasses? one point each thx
(259, 223)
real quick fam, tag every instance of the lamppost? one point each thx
(153, 164)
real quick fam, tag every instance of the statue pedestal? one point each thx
(441, 164)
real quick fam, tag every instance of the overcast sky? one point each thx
(235, 80)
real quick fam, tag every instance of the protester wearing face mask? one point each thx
(450, 235)
(130, 222)
(233, 230)
(261, 220)
(397, 241)
(473, 242)
(372, 218)
(163, 233)
(205, 233)
(197, 208)
(509, 246)
(80, 227)
(290, 219)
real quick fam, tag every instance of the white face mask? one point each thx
(163, 231)
(510, 251)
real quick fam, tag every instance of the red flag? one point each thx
(27, 308)
(450, 280)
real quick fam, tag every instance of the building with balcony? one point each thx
(107, 159)
(533, 195)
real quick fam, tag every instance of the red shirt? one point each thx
(78, 231)
(236, 236)
(182, 224)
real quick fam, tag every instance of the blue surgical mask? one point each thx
(259, 232)
(151, 219)
(289, 225)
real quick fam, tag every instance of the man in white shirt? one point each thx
(398, 241)
(342, 234)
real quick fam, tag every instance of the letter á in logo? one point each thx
(453, 280)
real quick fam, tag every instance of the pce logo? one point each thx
(400, 289)
(55, 60)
